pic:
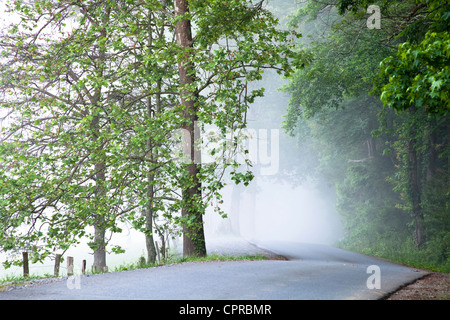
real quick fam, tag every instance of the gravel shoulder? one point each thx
(434, 286)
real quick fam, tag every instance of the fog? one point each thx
(280, 204)
(277, 212)
(285, 201)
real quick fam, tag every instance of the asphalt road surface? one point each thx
(313, 272)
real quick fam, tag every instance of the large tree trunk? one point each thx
(99, 224)
(100, 167)
(99, 264)
(193, 234)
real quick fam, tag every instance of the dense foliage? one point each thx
(100, 96)
(376, 102)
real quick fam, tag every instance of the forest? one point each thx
(373, 102)
(103, 104)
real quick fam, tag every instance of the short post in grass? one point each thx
(26, 269)
(70, 266)
(57, 264)
(83, 267)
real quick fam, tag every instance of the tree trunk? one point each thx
(100, 167)
(432, 152)
(99, 225)
(415, 194)
(448, 156)
(371, 148)
(193, 234)
(149, 240)
(414, 186)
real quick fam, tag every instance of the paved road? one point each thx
(313, 272)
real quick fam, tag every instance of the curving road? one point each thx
(313, 271)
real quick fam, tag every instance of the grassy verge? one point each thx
(173, 260)
(407, 254)
(10, 281)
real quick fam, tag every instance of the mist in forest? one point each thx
(277, 212)
(285, 201)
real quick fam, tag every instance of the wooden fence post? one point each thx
(69, 266)
(57, 265)
(83, 267)
(26, 269)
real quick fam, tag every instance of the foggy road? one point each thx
(313, 271)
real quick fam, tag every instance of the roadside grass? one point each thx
(406, 253)
(175, 260)
(15, 280)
